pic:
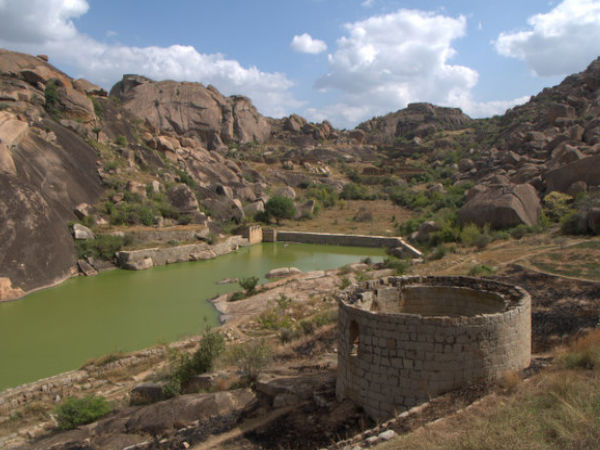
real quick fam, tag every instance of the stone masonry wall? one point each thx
(344, 239)
(389, 361)
(150, 257)
(254, 234)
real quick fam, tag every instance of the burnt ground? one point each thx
(562, 308)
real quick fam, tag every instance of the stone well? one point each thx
(403, 340)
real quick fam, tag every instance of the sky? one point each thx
(339, 60)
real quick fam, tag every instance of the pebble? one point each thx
(387, 435)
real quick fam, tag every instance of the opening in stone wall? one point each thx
(354, 337)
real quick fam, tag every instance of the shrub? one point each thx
(249, 284)
(481, 269)
(212, 345)
(51, 104)
(472, 236)
(184, 366)
(251, 358)
(121, 140)
(363, 215)
(103, 246)
(280, 207)
(344, 283)
(398, 265)
(323, 193)
(437, 253)
(557, 205)
(308, 327)
(74, 411)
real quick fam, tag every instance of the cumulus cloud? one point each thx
(304, 43)
(46, 26)
(562, 41)
(385, 62)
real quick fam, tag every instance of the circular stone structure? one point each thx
(403, 340)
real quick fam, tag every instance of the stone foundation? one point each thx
(403, 340)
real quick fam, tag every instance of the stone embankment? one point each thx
(352, 240)
(150, 257)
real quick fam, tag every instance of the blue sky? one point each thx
(341, 60)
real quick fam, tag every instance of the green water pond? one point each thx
(60, 328)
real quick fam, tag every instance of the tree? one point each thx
(280, 207)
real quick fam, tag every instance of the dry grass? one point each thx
(340, 219)
(555, 409)
(580, 261)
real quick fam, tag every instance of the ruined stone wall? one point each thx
(150, 257)
(254, 234)
(390, 360)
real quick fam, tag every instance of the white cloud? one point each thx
(304, 43)
(385, 62)
(367, 3)
(46, 26)
(37, 21)
(562, 41)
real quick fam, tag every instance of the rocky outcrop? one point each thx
(502, 206)
(192, 110)
(138, 427)
(417, 119)
(586, 170)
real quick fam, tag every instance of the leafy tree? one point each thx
(280, 207)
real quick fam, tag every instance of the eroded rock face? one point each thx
(502, 206)
(192, 110)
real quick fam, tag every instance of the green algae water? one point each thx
(60, 328)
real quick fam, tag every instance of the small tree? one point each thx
(280, 207)
(249, 284)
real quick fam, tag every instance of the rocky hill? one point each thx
(161, 153)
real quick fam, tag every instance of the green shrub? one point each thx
(121, 140)
(481, 269)
(184, 366)
(344, 283)
(212, 345)
(557, 205)
(437, 253)
(248, 284)
(52, 104)
(472, 236)
(353, 191)
(104, 246)
(308, 327)
(74, 411)
(323, 193)
(398, 265)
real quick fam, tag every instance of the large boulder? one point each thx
(183, 198)
(585, 169)
(502, 206)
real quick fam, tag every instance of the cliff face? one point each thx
(45, 171)
(192, 110)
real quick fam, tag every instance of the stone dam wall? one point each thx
(353, 240)
(403, 340)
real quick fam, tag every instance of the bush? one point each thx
(480, 270)
(398, 265)
(121, 140)
(437, 253)
(472, 236)
(103, 246)
(212, 345)
(51, 104)
(74, 411)
(184, 366)
(280, 207)
(251, 358)
(353, 191)
(323, 193)
(249, 284)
